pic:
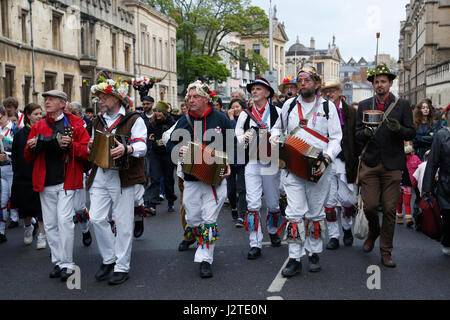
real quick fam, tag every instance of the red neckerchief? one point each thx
(258, 114)
(204, 115)
(381, 105)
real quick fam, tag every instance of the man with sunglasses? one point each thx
(315, 121)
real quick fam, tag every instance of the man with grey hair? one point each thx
(238, 94)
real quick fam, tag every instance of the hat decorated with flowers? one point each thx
(379, 70)
(287, 80)
(203, 90)
(117, 88)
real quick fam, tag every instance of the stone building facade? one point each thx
(424, 52)
(73, 41)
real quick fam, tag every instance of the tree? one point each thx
(202, 27)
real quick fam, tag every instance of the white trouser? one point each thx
(106, 194)
(256, 183)
(7, 180)
(57, 215)
(79, 203)
(138, 199)
(344, 194)
(201, 209)
(306, 201)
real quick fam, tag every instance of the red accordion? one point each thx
(299, 157)
(204, 163)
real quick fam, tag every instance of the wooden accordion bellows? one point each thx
(204, 163)
(299, 157)
(100, 153)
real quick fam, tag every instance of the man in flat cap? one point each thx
(258, 117)
(57, 145)
(383, 159)
(343, 190)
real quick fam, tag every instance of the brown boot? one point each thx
(399, 219)
(409, 221)
(387, 261)
(368, 244)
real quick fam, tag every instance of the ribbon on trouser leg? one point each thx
(3, 218)
(274, 219)
(189, 233)
(294, 231)
(350, 212)
(330, 214)
(139, 211)
(251, 221)
(315, 229)
(206, 234)
(81, 216)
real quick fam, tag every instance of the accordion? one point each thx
(100, 153)
(299, 157)
(204, 163)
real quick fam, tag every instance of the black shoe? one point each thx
(314, 265)
(138, 228)
(239, 223)
(13, 224)
(35, 230)
(333, 244)
(234, 214)
(275, 239)
(292, 268)
(348, 237)
(87, 239)
(205, 270)
(184, 245)
(65, 274)
(56, 272)
(118, 278)
(254, 253)
(3, 238)
(170, 209)
(104, 271)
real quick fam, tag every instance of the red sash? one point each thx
(303, 123)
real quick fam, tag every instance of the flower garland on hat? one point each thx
(382, 69)
(117, 88)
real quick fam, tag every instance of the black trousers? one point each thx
(161, 165)
(236, 190)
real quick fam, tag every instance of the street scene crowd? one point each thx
(380, 157)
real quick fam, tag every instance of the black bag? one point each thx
(428, 219)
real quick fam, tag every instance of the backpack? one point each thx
(428, 219)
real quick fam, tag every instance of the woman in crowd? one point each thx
(236, 181)
(22, 195)
(425, 127)
(161, 164)
(439, 158)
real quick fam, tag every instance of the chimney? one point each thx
(312, 43)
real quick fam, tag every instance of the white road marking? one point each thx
(275, 298)
(279, 281)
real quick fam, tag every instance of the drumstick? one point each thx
(375, 74)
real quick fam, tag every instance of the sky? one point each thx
(353, 22)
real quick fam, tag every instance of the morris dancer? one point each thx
(262, 115)
(315, 121)
(201, 201)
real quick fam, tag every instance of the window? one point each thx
(147, 50)
(85, 92)
(143, 47)
(127, 57)
(56, 31)
(24, 25)
(166, 55)
(113, 50)
(9, 81)
(26, 90)
(154, 53)
(49, 81)
(320, 68)
(160, 60)
(257, 48)
(5, 17)
(173, 61)
(67, 87)
(97, 47)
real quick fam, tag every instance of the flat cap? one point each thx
(55, 93)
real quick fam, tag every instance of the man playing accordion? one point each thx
(314, 120)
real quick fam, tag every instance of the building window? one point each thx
(97, 47)
(5, 17)
(173, 58)
(67, 87)
(85, 92)
(113, 50)
(26, 90)
(127, 57)
(154, 53)
(147, 50)
(142, 47)
(9, 81)
(166, 55)
(320, 68)
(24, 25)
(56, 31)
(257, 48)
(49, 81)
(160, 60)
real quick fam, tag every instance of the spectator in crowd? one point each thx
(440, 159)
(238, 94)
(23, 197)
(184, 109)
(76, 109)
(147, 114)
(14, 117)
(426, 127)
(236, 181)
(89, 113)
(161, 163)
(218, 105)
(12, 106)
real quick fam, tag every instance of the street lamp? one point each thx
(34, 93)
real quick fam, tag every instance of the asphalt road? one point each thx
(160, 272)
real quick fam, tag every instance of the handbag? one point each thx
(361, 228)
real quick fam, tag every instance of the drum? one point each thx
(372, 117)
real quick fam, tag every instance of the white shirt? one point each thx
(138, 131)
(330, 128)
